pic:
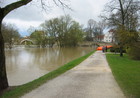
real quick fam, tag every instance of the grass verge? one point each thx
(23, 89)
(126, 73)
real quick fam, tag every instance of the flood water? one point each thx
(26, 64)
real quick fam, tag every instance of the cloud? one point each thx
(32, 15)
(23, 25)
(27, 13)
(87, 9)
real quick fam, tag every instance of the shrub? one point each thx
(134, 51)
(116, 50)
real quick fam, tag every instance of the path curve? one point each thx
(90, 79)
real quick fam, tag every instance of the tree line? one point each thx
(64, 31)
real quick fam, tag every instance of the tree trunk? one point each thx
(123, 18)
(121, 51)
(3, 76)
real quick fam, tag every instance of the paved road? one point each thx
(90, 79)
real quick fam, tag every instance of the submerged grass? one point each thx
(23, 89)
(127, 73)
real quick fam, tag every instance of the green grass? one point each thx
(126, 73)
(23, 89)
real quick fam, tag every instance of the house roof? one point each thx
(111, 30)
(100, 36)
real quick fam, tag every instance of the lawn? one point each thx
(127, 73)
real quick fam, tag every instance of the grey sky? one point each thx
(31, 14)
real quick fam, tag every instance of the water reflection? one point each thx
(24, 65)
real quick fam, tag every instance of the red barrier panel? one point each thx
(101, 47)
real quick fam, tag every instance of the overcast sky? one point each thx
(32, 15)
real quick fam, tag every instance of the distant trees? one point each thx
(94, 30)
(10, 35)
(66, 32)
(39, 38)
(63, 30)
(50, 27)
(91, 25)
(123, 16)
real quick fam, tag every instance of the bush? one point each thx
(134, 51)
(116, 50)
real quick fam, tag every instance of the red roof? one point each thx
(111, 30)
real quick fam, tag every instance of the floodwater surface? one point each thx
(26, 64)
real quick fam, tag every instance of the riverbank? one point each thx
(90, 79)
(126, 73)
(23, 89)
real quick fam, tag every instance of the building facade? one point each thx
(109, 36)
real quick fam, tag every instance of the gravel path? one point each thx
(90, 79)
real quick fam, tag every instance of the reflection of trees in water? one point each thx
(52, 58)
(18, 59)
(48, 58)
(42, 58)
(12, 60)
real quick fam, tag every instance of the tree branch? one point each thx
(15, 5)
(130, 2)
(122, 11)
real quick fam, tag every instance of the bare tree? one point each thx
(101, 26)
(10, 34)
(91, 25)
(94, 30)
(3, 12)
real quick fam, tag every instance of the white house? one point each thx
(108, 37)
